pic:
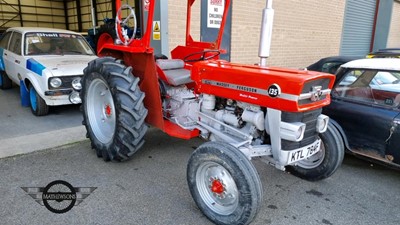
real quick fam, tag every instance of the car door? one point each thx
(5, 39)
(13, 59)
(366, 119)
(393, 150)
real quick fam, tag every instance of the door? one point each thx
(358, 24)
(364, 105)
(393, 150)
(5, 39)
(13, 59)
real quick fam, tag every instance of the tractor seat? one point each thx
(174, 71)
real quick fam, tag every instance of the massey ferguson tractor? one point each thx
(243, 111)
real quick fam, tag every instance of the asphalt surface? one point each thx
(151, 188)
(22, 132)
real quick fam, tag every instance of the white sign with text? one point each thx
(214, 13)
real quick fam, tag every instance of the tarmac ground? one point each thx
(151, 188)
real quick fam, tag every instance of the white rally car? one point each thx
(47, 63)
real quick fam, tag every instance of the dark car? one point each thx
(365, 108)
(385, 53)
(331, 64)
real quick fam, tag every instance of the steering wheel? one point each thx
(122, 26)
(202, 55)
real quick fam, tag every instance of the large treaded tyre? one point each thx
(113, 109)
(224, 184)
(5, 81)
(105, 34)
(323, 164)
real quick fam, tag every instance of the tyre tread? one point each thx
(130, 124)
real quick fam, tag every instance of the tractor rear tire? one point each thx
(113, 109)
(224, 184)
(5, 81)
(323, 164)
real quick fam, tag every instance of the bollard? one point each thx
(25, 101)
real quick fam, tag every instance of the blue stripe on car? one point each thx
(2, 68)
(35, 66)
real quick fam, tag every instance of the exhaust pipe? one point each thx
(266, 33)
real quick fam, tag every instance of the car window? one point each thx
(15, 43)
(370, 86)
(385, 77)
(331, 67)
(56, 44)
(4, 40)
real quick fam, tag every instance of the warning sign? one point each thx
(156, 30)
(214, 13)
(156, 26)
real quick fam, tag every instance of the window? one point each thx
(15, 45)
(4, 40)
(331, 67)
(56, 44)
(370, 86)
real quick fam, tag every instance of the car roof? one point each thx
(375, 63)
(40, 29)
(338, 59)
(388, 50)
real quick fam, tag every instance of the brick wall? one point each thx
(304, 30)
(394, 33)
(177, 22)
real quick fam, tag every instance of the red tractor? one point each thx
(244, 111)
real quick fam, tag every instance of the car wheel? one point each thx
(323, 164)
(5, 81)
(113, 109)
(224, 184)
(38, 105)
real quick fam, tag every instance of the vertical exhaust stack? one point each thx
(266, 33)
(93, 16)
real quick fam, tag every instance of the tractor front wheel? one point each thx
(113, 109)
(323, 164)
(224, 184)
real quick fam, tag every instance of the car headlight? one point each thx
(55, 82)
(75, 98)
(76, 84)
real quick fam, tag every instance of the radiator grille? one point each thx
(310, 134)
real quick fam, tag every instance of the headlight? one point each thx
(292, 131)
(55, 82)
(322, 123)
(74, 98)
(76, 84)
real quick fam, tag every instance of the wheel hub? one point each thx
(217, 187)
(101, 110)
(108, 110)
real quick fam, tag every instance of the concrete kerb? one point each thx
(41, 141)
